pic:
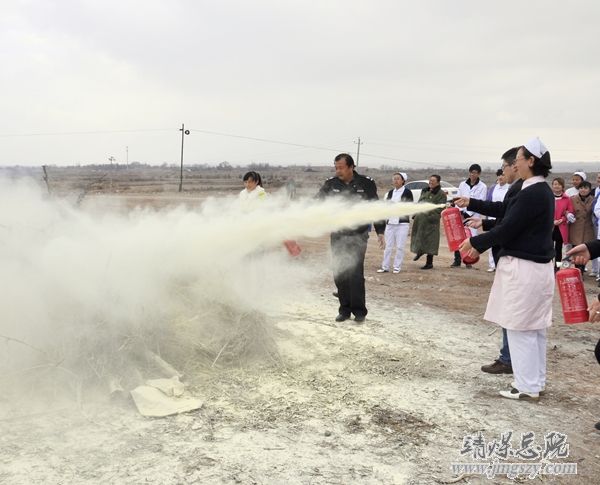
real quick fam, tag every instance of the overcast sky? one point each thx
(429, 81)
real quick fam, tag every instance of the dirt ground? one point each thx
(387, 401)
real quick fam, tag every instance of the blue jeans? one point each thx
(504, 351)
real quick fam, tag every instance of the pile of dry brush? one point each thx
(116, 358)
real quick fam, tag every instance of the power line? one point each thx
(96, 132)
(399, 160)
(435, 148)
(411, 145)
(209, 132)
(284, 151)
(266, 140)
(431, 145)
(302, 145)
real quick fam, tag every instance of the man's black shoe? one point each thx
(497, 368)
(418, 255)
(342, 318)
(456, 264)
(359, 319)
(597, 426)
(427, 266)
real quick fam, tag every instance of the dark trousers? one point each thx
(348, 255)
(504, 351)
(558, 244)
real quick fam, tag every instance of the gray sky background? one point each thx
(433, 81)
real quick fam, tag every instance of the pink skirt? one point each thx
(521, 295)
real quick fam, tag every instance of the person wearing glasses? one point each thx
(521, 296)
(496, 209)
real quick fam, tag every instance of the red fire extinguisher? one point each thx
(456, 232)
(572, 295)
(292, 247)
(465, 255)
(453, 227)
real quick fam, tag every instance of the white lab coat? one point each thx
(478, 191)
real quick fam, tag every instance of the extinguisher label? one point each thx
(572, 294)
(455, 227)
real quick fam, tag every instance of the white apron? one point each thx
(521, 295)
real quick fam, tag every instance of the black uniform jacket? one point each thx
(360, 187)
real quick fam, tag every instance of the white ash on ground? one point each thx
(385, 402)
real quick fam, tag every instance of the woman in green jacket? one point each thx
(425, 238)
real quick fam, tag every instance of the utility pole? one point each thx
(357, 150)
(127, 157)
(46, 178)
(183, 133)
(111, 159)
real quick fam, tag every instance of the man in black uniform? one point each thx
(348, 247)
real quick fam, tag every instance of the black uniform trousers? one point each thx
(348, 254)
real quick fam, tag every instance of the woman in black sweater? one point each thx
(521, 296)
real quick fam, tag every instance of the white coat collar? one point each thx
(536, 179)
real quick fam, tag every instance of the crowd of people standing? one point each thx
(522, 221)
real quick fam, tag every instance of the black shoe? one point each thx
(335, 293)
(359, 319)
(497, 368)
(342, 318)
(427, 266)
(597, 426)
(418, 255)
(456, 264)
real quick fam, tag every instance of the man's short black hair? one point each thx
(510, 155)
(476, 167)
(437, 177)
(347, 158)
(499, 172)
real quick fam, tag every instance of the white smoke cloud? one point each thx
(81, 287)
